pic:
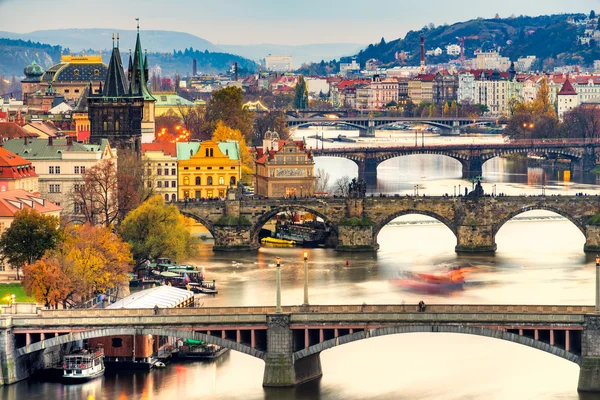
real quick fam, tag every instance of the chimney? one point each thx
(69, 140)
(49, 140)
(422, 54)
(194, 67)
(25, 139)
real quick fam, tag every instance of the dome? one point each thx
(271, 135)
(33, 71)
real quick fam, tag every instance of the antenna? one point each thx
(113, 39)
(138, 24)
(117, 39)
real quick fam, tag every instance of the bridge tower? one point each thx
(369, 131)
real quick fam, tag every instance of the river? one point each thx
(539, 261)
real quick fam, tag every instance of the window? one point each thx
(76, 72)
(82, 169)
(2, 227)
(116, 125)
(221, 167)
(76, 90)
(77, 187)
(197, 168)
(173, 171)
(159, 184)
(186, 180)
(208, 167)
(54, 188)
(209, 194)
(51, 169)
(185, 168)
(211, 152)
(209, 182)
(96, 72)
(76, 169)
(173, 197)
(206, 152)
(232, 180)
(159, 171)
(166, 197)
(221, 180)
(173, 184)
(232, 167)
(197, 180)
(76, 208)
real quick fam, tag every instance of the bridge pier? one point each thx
(475, 239)
(588, 161)
(367, 170)
(592, 238)
(472, 167)
(589, 372)
(234, 238)
(369, 131)
(281, 370)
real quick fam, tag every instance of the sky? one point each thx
(289, 22)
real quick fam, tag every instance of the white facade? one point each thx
(466, 88)
(316, 86)
(525, 64)
(566, 103)
(382, 92)
(494, 94)
(491, 60)
(453, 50)
(279, 63)
(349, 65)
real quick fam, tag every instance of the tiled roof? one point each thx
(171, 99)
(45, 127)
(167, 148)
(186, 149)
(36, 149)
(10, 130)
(567, 89)
(13, 201)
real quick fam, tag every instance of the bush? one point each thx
(229, 220)
(356, 221)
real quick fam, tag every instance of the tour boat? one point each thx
(431, 283)
(198, 350)
(270, 240)
(83, 365)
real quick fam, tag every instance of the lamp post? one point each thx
(417, 188)
(278, 285)
(454, 190)
(12, 299)
(305, 278)
(459, 190)
(416, 138)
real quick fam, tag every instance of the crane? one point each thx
(462, 45)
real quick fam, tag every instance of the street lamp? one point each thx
(278, 285)
(305, 278)
(12, 299)
(454, 190)
(417, 188)
(459, 190)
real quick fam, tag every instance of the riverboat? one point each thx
(431, 283)
(83, 365)
(198, 350)
(286, 242)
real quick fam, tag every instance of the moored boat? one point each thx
(83, 365)
(198, 350)
(270, 240)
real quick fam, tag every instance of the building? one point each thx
(420, 88)
(526, 64)
(491, 60)
(567, 99)
(382, 92)
(81, 118)
(16, 173)
(207, 169)
(123, 113)
(13, 201)
(453, 50)
(43, 129)
(466, 88)
(349, 66)
(160, 162)
(283, 168)
(171, 101)
(67, 78)
(279, 63)
(11, 130)
(445, 88)
(492, 89)
(61, 165)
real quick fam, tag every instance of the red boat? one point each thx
(431, 283)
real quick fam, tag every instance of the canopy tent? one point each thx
(160, 296)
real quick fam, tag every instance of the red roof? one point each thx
(567, 89)
(10, 130)
(425, 77)
(3, 116)
(284, 88)
(13, 201)
(169, 149)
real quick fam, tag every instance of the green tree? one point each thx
(156, 229)
(227, 105)
(301, 95)
(28, 238)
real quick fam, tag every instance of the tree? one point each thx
(169, 121)
(322, 181)
(98, 196)
(270, 121)
(227, 105)
(582, 122)
(156, 229)
(195, 122)
(46, 281)
(592, 14)
(134, 183)
(223, 133)
(301, 94)
(28, 237)
(341, 186)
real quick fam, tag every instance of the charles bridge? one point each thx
(582, 154)
(355, 223)
(290, 342)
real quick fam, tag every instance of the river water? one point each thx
(539, 261)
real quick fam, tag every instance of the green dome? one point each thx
(33, 71)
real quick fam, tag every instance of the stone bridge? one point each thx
(290, 342)
(583, 154)
(355, 224)
(367, 125)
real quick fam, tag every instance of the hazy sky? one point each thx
(270, 21)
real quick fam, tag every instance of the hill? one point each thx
(549, 37)
(301, 54)
(17, 54)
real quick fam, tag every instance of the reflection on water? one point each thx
(539, 261)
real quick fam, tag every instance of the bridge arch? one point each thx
(266, 217)
(208, 224)
(537, 207)
(573, 155)
(459, 329)
(181, 333)
(379, 225)
(326, 122)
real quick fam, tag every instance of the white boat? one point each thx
(159, 364)
(83, 365)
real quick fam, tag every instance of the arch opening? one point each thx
(294, 223)
(201, 228)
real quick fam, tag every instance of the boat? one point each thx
(270, 240)
(306, 235)
(198, 350)
(431, 283)
(83, 365)
(159, 364)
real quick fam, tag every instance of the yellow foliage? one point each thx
(223, 133)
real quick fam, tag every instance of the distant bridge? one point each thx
(290, 342)
(583, 154)
(367, 125)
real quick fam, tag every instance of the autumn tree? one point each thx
(46, 281)
(301, 94)
(223, 133)
(156, 229)
(169, 121)
(227, 105)
(194, 120)
(270, 121)
(98, 196)
(28, 237)
(582, 122)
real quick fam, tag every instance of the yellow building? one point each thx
(171, 102)
(207, 169)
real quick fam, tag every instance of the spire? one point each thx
(114, 85)
(130, 67)
(139, 75)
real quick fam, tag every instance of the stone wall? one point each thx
(233, 238)
(589, 373)
(356, 238)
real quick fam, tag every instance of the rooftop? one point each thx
(13, 201)
(160, 296)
